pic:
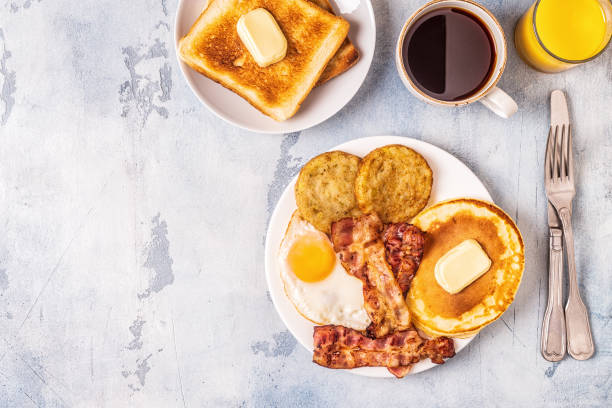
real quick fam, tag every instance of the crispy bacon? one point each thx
(439, 348)
(404, 243)
(361, 249)
(401, 371)
(342, 347)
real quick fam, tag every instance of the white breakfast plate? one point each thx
(322, 103)
(452, 179)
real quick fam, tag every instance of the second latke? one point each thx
(394, 182)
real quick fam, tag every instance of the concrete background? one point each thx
(132, 223)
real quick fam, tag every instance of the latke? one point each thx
(324, 191)
(394, 182)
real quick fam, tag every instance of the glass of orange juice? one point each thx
(555, 35)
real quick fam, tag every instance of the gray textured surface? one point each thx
(132, 223)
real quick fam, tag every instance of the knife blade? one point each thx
(559, 114)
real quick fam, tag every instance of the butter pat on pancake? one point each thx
(448, 224)
(461, 266)
(325, 189)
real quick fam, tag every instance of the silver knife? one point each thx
(553, 341)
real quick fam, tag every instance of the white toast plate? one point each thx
(322, 103)
(452, 179)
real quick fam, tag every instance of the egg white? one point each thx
(337, 299)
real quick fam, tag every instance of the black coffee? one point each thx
(449, 54)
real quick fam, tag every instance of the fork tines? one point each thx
(559, 163)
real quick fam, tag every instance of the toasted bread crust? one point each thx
(213, 48)
(346, 56)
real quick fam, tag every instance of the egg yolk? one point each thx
(311, 258)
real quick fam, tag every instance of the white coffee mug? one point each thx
(489, 95)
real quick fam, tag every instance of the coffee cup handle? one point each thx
(499, 102)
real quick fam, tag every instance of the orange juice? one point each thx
(565, 33)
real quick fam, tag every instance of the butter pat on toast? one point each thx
(214, 48)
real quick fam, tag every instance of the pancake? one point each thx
(447, 224)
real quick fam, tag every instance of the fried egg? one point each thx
(315, 280)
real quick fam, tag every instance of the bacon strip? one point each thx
(342, 347)
(404, 243)
(401, 371)
(362, 252)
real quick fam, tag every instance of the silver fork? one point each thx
(560, 191)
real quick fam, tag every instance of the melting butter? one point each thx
(461, 266)
(262, 36)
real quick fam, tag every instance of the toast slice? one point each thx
(346, 56)
(213, 48)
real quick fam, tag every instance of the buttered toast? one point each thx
(346, 56)
(214, 48)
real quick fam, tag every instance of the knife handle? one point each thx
(553, 326)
